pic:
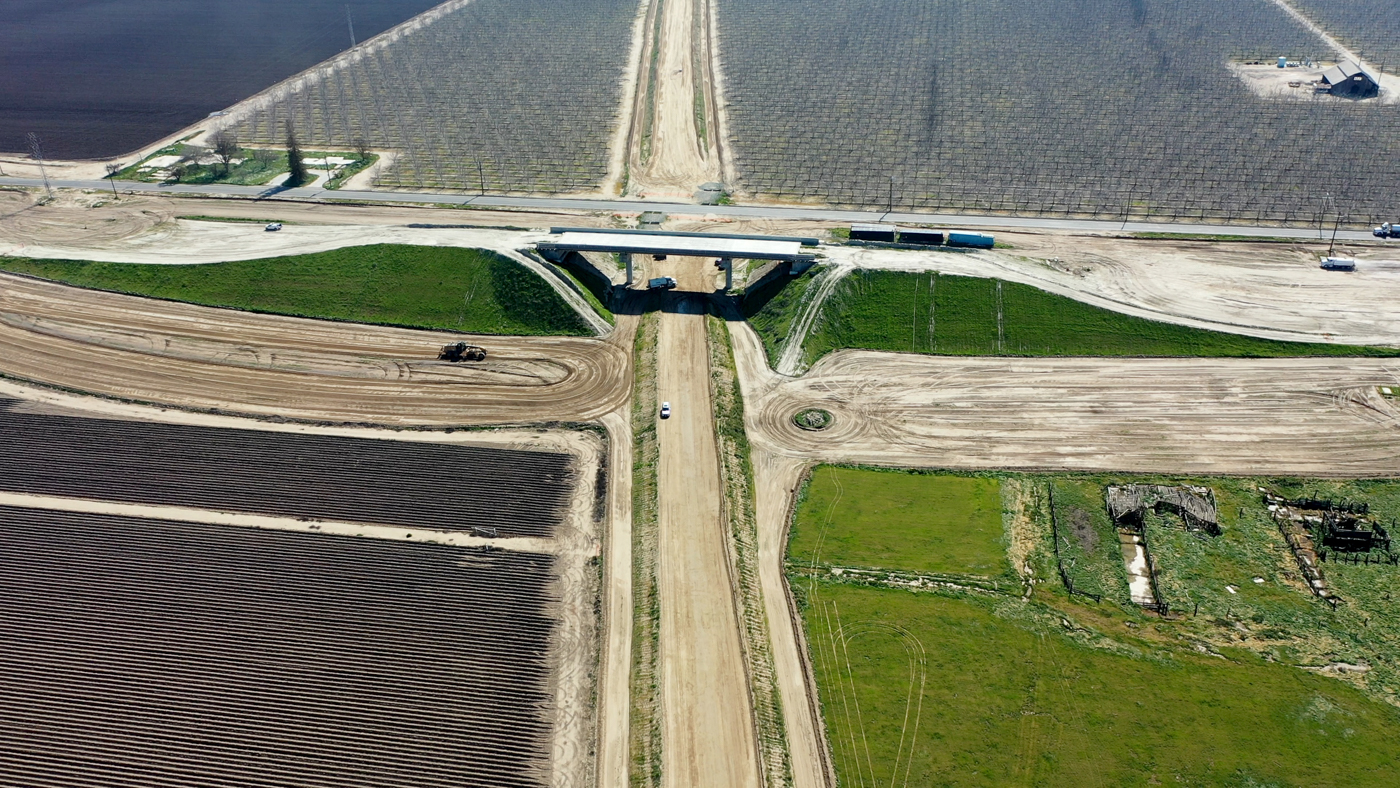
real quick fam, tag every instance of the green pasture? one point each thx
(468, 290)
(896, 520)
(930, 690)
(1252, 681)
(969, 316)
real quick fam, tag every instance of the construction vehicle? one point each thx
(1387, 230)
(661, 283)
(462, 352)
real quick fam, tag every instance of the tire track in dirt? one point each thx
(205, 358)
(1242, 416)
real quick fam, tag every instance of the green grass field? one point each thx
(906, 521)
(418, 286)
(922, 689)
(965, 316)
(1233, 689)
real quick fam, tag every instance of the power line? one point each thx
(38, 153)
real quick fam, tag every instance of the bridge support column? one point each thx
(626, 259)
(727, 265)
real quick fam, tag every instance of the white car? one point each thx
(665, 410)
(274, 227)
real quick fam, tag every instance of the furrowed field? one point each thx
(103, 79)
(417, 286)
(499, 95)
(970, 316)
(1086, 107)
(953, 682)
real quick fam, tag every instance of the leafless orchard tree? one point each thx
(225, 147)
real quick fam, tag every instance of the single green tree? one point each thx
(296, 168)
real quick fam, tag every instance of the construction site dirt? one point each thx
(224, 360)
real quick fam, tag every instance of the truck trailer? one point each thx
(973, 240)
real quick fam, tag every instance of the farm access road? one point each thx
(634, 206)
(669, 156)
(1316, 417)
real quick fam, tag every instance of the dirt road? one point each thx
(678, 159)
(707, 722)
(218, 359)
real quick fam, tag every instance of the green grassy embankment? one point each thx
(468, 290)
(968, 316)
(1056, 690)
(772, 308)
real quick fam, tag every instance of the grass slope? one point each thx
(1003, 695)
(467, 290)
(772, 307)
(896, 520)
(966, 316)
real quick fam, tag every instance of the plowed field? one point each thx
(284, 474)
(144, 653)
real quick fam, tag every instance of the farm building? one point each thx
(1349, 80)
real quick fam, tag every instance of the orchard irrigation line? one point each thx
(690, 209)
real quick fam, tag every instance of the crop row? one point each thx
(422, 485)
(1089, 107)
(145, 653)
(1366, 27)
(509, 95)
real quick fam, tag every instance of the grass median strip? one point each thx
(469, 290)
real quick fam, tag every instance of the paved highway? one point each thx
(796, 213)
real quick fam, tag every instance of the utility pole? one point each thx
(112, 169)
(351, 23)
(38, 153)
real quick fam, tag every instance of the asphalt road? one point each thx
(690, 209)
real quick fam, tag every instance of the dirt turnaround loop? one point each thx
(1322, 417)
(218, 359)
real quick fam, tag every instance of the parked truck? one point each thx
(661, 283)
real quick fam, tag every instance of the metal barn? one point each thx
(1349, 80)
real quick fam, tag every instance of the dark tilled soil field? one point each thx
(98, 79)
(423, 485)
(145, 653)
